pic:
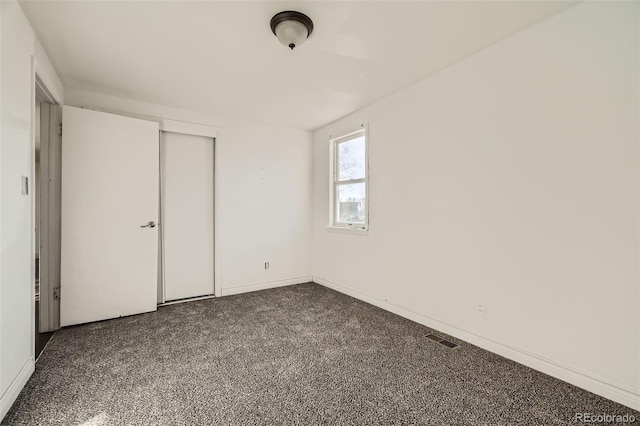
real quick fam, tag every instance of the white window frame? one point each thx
(334, 182)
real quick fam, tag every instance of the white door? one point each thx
(110, 188)
(187, 215)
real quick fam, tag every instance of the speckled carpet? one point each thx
(301, 355)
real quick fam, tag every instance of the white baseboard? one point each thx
(263, 286)
(12, 392)
(586, 381)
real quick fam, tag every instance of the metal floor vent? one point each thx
(433, 337)
(442, 341)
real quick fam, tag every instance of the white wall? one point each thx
(18, 46)
(510, 178)
(263, 199)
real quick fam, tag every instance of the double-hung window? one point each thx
(349, 207)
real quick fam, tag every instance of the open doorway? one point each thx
(48, 130)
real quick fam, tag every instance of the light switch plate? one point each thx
(25, 185)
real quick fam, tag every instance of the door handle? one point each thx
(150, 224)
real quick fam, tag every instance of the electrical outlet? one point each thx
(481, 308)
(266, 265)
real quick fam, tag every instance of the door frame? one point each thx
(40, 93)
(48, 195)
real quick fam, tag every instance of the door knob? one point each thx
(150, 224)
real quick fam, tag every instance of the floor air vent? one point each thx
(448, 344)
(442, 341)
(434, 337)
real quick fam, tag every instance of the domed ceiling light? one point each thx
(291, 28)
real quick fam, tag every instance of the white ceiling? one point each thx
(221, 57)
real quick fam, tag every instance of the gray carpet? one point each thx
(294, 355)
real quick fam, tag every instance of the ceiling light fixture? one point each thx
(292, 28)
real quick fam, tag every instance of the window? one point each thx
(349, 181)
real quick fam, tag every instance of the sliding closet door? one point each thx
(187, 215)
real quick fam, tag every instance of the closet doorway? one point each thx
(186, 216)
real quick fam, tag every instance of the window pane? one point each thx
(351, 203)
(351, 164)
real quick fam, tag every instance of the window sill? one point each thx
(352, 231)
